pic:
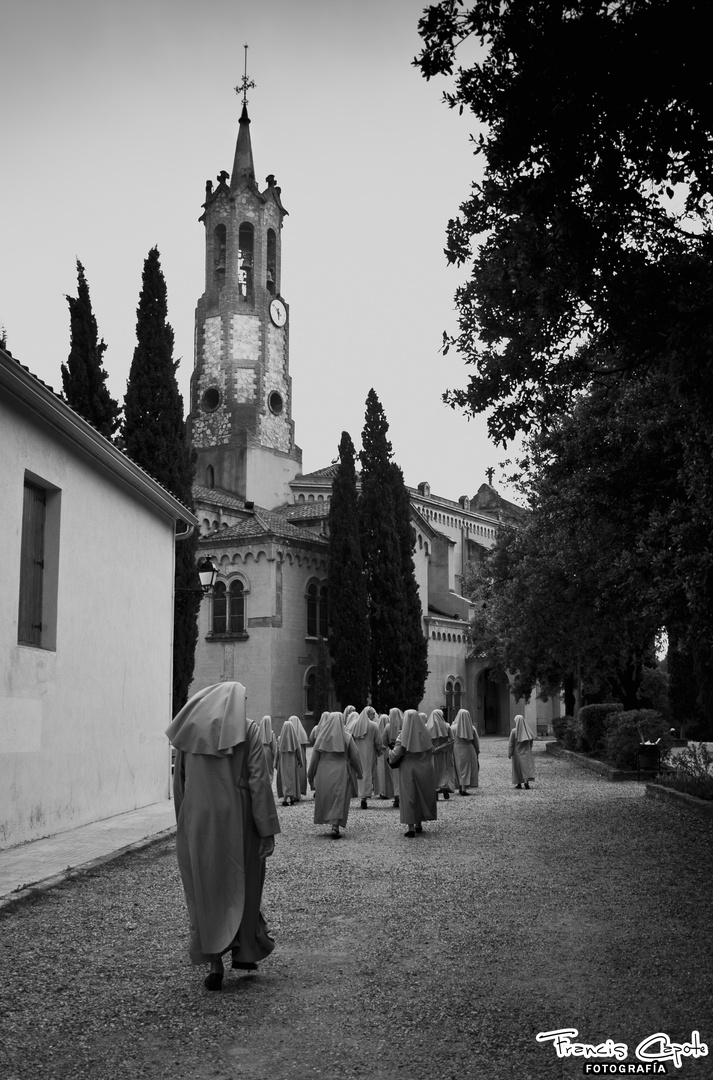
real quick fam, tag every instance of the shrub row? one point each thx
(611, 733)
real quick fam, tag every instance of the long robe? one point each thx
(391, 733)
(365, 733)
(383, 784)
(290, 762)
(442, 737)
(269, 744)
(329, 776)
(303, 739)
(417, 801)
(520, 751)
(466, 747)
(223, 806)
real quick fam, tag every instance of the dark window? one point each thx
(237, 608)
(32, 565)
(219, 246)
(210, 477)
(271, 261)
(310, 692)
(323, 613)
(457, 690)
(312, 602)
(449, 714)
(220, 608)
(245, 260)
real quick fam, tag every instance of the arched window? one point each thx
(236, 595)
(220, 608)
(210, 477)
(219, 247)
(246, 247)
(317, 610)
(229, 609)
(457, 696)
(271, 281)
(449, 713)
(310, 692)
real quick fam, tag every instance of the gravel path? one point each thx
(579, 904)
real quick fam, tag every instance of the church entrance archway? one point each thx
(492, 691)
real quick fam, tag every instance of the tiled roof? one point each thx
(265, 523)
(327, 473)
(217, 496)
(306, 511)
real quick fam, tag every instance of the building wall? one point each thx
(82, 725)
(274, 659)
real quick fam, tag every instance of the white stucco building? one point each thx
(86, 594)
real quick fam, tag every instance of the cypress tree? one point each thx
(417, 647)
(381, 552)
(83, 376)
(348, 599)
(154, 436)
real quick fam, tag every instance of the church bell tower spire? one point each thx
(241, 391)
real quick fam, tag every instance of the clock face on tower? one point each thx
(278, 312)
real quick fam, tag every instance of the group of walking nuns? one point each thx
(225, 808)
(404, 756)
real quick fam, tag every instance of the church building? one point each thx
(265, 522)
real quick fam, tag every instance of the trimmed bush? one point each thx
(559, 726)
(625, 733)
(595, 724)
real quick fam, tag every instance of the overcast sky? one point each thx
(116, 112)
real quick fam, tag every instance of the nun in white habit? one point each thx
(289, 760)
(303, 739)
(442, 737)
(269, 744)
(334, 754)
(365, 732)
(391, 733)
(383, 784)
(466, 749)
(520, 752)
(414, 751)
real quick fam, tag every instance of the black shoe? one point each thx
(248, 965)
(396, 802)
(446, 795)
(214, 980)
(410, 834)
(419, 828)
(527, 786)
(517, 787)
(463, 791)
(363, 804)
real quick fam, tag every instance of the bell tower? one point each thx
(240, 422)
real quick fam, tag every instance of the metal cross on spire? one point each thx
(245, 84)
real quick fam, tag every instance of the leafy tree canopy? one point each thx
(588, 235)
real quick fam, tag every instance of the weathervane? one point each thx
(245, 84)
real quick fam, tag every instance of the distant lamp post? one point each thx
(207, 572)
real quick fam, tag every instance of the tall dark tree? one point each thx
(83, 376)
(349, 635)
(381, 552)
(154, 435)
(417, 643)
(590, 235)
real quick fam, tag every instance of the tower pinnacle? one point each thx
(243, 167)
